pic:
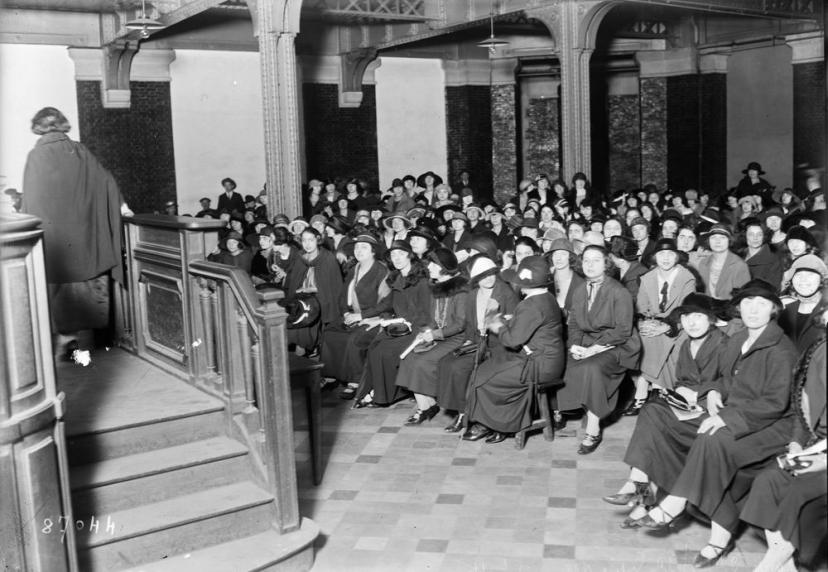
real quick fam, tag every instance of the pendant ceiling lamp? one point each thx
(492, 43)
(144, 24)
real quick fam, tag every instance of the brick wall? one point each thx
(504, 137)
(542, 151)
(624, 120)
(653, 97)
(809, 113)
(683, 132)
(135, 144)
(340, 142)
(469, 135)
(713, 132)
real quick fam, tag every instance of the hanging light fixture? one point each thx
(492, 43)
(144, 24)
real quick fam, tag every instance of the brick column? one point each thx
(504, 129)
(809, 99)
(135, 143)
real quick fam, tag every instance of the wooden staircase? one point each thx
(153, 463)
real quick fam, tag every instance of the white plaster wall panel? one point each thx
(217, 124)
(411, 118)
(33, 77)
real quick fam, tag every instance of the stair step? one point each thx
(159, 530)
(117, 484)
(148, 436)
(257, 552)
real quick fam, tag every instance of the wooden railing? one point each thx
(207, 323)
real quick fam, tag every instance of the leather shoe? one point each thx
(589, 444)
(634, 408)
(496, 437)
(642, 495)
(703, 561)
(364, 403)
(476, 432)
(423, 415)
(457, 424)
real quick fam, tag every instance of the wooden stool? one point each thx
(545, 422)
(307, 374)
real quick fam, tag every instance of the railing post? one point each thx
(247, 366)
(205, 297)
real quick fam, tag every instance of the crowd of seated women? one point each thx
(712, 309)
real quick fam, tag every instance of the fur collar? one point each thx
(453, 285)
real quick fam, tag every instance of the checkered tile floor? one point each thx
(416, 498)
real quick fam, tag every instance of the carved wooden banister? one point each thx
(251, 364)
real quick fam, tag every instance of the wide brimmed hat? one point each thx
(755, 288)
(799, 232)
(476, 207)
(561, 244)
(298, 225)
(315, 183)
(482, 266)
(445, 259)
(624, 248)
(530, 222)
(281, 220)
(232, 235)
(701, 304)
(421, 179)
(553, 234)
(340, 224)
(483, 243)
(639, 220)
(302, 311)
(460, 215)
(532, 272)
(416, 212)
(777, 195)
(396, 215)
(810, 262)
(440, 212)
(318, 218)
(366, 238)
(672, 214)
(722, 229)
(753, 166)
(400, 245)
(423, 231)
(665, 244)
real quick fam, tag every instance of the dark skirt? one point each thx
(795, 506)
(453, 374)
(592, 383)
(418, 372)
(307, 338)
(79, 306)
(660, 443)
(500, 396)
(343, 351)
(709, 478)
(383, 360)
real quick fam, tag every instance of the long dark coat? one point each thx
(453, 371)
(809, 332)
(632, 278)
(344, 349)
(756, 390)
(80, 205)
(796, 506)
(235, 202)
(660, 442)
(500, 396)
(418, 371)
(593, 382)
(410, 298)
(767, 266)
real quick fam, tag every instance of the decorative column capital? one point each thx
(352, 71)
(806, 48)
(713, 63)
(681, 61)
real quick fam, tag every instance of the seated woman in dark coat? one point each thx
(323, 278)
(749, 422)
(806, 300)
(562, 262)
(501, 395)
(791, 504)
(403, 314)
(762, 263)
(345, 342)
(603, 345)
(232, 252)
(418, 371)
(490, 294)
(661, 440)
